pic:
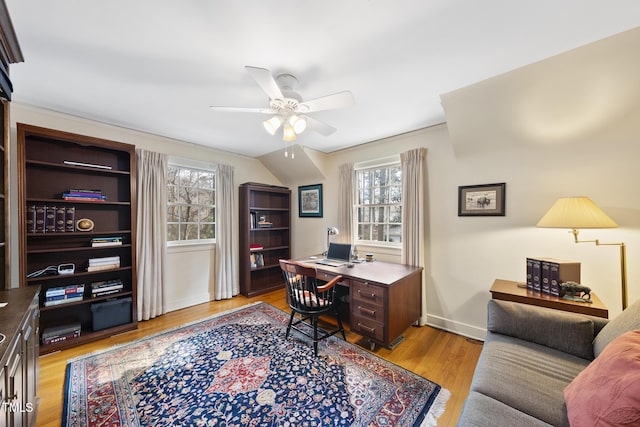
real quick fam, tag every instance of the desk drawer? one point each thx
(368, 328)
(368, 293)
(368, 311)
(326, 277)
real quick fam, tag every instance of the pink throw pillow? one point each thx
(607, 392)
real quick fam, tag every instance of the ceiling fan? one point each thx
(287, 107)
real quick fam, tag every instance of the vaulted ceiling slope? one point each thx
(157, 65)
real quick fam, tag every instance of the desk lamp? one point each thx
(331, 231)
(581, 212)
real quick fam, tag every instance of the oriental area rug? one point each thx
(237, 369)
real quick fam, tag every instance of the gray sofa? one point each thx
(529, 356)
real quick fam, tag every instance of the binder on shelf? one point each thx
(50, 219)
(70, 218)
(31, 219)
(60, 219)
(40, 218)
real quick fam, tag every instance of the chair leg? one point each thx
(286, 336)
(344, 337)
(315, 335)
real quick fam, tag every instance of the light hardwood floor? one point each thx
(440, 356)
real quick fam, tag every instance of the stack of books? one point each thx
(84, 195)
(63, 295)
(106, 287)
(50, 219)
(546, 274)
(106, 263)
(106, 241)
(60, 333)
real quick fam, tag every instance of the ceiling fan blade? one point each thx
(318, 126)
(265, 79)
(337, 100)
(243, 110)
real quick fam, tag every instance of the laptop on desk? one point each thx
(339, 254)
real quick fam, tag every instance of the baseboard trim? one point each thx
(458, 328)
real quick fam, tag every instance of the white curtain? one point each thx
(345, 202)
(151, 179)
(413, 226)
(227, 284)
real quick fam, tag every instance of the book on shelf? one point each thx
(104, 260)
(40, 219)
(50, 219)
(61, 333)
(256, 259)
(31, 219)
(64, 290)
(93, 268)
(106, 287)
(70, 218)
(60, 219)
(84, 199)
(63, 299)
(256, 247)
(106, 241)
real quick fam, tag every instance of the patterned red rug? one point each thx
(236, 369)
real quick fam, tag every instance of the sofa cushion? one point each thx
(481, 411)
(626, 321)
(607, 392)
(526, 376)
(556, 329)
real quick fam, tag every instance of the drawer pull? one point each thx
(370, 296)
(368, 328)
(368, 311)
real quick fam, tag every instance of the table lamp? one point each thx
(331, 231)
(581, 212)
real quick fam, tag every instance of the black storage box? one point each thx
(111, 313)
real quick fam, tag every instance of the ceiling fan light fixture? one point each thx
(298, 123)
(288, 134)
(272, 124)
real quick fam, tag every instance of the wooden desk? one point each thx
(384, 298)
(508, 290)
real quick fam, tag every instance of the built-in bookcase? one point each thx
(265, 236)
(52, 163)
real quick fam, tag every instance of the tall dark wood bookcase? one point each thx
(263, 245)
(44, 173)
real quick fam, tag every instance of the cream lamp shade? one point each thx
(575, 212)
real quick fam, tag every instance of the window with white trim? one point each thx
(191, 210)
(379, 204)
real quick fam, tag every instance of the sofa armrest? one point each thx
(571, 333)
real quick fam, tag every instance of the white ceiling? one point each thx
(157, 65)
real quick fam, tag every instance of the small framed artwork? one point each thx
(310, 201)
(481, 200)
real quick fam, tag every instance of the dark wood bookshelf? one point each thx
(43, 177)
(275, 204)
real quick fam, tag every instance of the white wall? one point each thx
(564, 126)
(190, 269)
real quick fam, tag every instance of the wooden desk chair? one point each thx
(310, 299)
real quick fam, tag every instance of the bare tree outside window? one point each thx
(379, 204)
(191, 210)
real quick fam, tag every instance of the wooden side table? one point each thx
(508, 290)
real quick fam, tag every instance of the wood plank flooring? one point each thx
(440, 356)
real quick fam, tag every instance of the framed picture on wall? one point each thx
(310, 201)
(481, 200)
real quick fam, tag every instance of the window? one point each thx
(379, 204)
(191, 210)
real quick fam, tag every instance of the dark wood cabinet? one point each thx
(50, 164)
(19, 355)
(265, 236)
